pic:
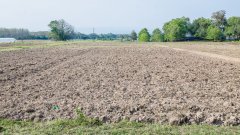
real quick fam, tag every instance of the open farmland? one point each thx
(115, 81)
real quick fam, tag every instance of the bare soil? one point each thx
(139, 83)
(231, 49)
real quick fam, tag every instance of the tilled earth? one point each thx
(146, 84)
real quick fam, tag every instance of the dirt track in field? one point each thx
(222, 57)
(149, 84)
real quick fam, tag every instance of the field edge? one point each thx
(124, 127)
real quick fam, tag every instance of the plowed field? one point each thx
(140, 83)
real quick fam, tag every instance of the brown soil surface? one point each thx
(148, 84)
(212, 55)
(230, 49)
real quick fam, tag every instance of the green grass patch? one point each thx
(29, 46)
(13, 48)
(124, 127)
(89, 126)
(4, 49)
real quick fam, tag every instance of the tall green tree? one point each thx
(219, 19)
(199, 27)
(134, 36)
(233, 28)
(176, 29)
(157, 36)
(144, 35)
(60, 30)
(214, 33)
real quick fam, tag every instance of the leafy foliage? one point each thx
(176, 29)
(144, 35)
(157, 36)
(199, 27)
(60, 30)
(233, 28)
(215, 34)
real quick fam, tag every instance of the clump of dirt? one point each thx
(145, 84)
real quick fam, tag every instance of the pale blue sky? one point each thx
(117, 16)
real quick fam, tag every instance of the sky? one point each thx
(115, 16)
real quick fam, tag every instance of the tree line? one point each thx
(61, 30)
(22, 34)
(216, 28)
